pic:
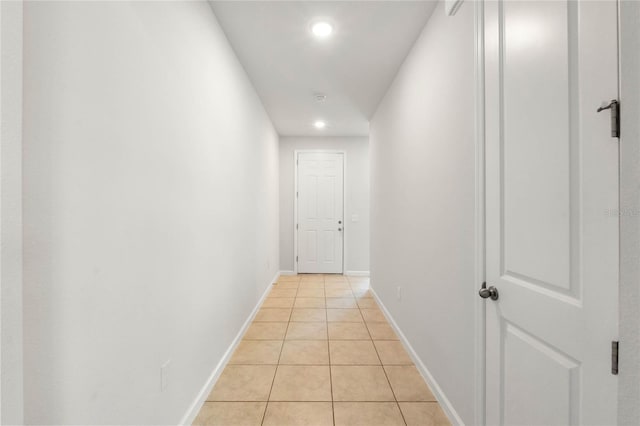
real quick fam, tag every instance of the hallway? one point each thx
(182, 181)
(320, 352)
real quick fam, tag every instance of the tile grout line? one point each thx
(384, 371)
(326, 314)
(264, 415)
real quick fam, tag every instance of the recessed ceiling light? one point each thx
(322, 29)
(320, 124)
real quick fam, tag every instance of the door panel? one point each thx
(320, 212)
(535, 147)
(556, 375)
(551, 179)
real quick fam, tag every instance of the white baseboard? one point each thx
(350, 273)
(357, 273)
(444, 402)
(195, 407)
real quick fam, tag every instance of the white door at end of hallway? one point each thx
(320, 221)
(551, 212)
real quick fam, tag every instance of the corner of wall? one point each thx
(201, 398)
(437, 391)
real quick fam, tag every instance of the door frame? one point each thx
(11, 221)
(480, 223)
(295, 201)
(629, 285)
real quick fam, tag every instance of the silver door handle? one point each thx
(490, 292)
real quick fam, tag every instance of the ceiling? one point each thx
(353, 67)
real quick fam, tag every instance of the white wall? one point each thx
(356, 197)
(150, 207)
(11, 368)
(422, 210)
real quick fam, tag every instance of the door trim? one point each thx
(480, 225)
(11, 214)
(295, 201)
(629, 285)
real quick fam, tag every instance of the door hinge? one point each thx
(296, 226)
(296, 194)
(614, 106)
(614, 357)
(296, 259)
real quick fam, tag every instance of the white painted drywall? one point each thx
(422, 209)
(356, 197)
(150, 207)
(11, 369)
(629, 375)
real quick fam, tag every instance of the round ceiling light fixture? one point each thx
(322, 29)
(319, 124)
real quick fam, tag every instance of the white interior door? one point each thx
(552, 221)
(320, 226)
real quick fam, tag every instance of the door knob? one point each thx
(490, 292)
(339, 229)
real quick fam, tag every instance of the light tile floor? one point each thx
(320, 352)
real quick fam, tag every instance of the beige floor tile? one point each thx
(360, 383)
(344, 315)
(353, 279)
(230, 414)
(312, 284)
(372, 315)
(311, 292)
(257, 352)
(288, 278)
(338, 292)
(244, 383)
(309, 315)
(307, 331)
(381, 331)
(301, 383)
(337, 286)
(348, 331)
(273, 315)
(407, 384)
(309, 302)
(335, 278)
(282, 292)
(305, 352)
(312, 279)
(299, 414)
(278, 302)
(359, 286)
(362, 294)
(266, 331)
(367, 303)
(286, 285)
(424, 414)
(392, 352)
(353, 352)
(341, 303)
(367, 414)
